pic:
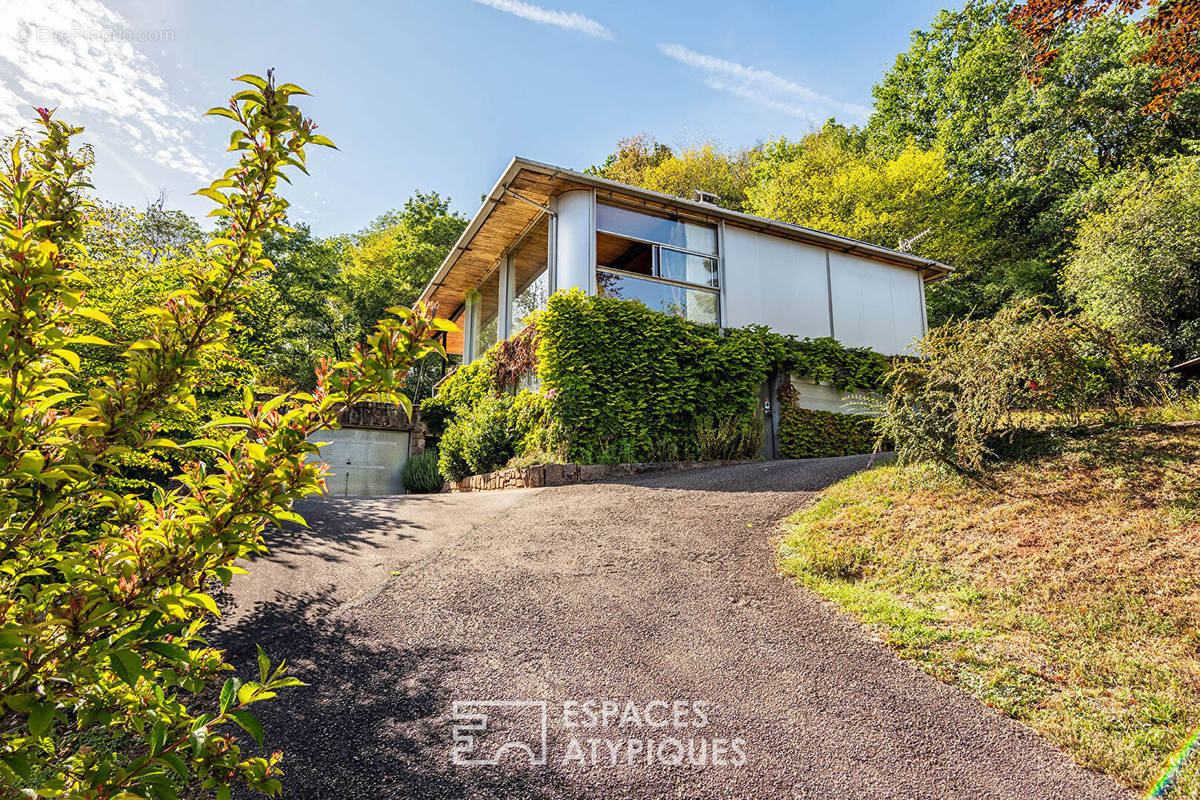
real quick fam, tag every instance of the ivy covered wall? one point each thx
(622, 383)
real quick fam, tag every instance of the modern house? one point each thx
(544, 228)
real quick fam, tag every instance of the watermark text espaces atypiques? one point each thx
(592, 733)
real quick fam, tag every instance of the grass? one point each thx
(1068, 597)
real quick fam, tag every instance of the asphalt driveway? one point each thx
(651, 603)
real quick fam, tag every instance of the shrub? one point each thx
(105, 595)
(973, 375)
(480, 440)
(420, 473)
(808, 433)
(728, 438)
(623, 383)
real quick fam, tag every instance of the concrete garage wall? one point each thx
(823, 397)
(786, 286)
(775, 282)
(364, 462)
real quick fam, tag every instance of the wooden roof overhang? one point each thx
(525, 190)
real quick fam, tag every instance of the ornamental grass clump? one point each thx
(105, 595)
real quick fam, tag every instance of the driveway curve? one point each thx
(654, 594)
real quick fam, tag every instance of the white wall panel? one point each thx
(775, 282)
(875, 305)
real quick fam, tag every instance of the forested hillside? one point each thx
(1075, 178)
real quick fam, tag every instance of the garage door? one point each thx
(363, 462)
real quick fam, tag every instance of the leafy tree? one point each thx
(1172, 27)
(829, 181)
(105, 595)
(307, 309)
(391, 260)
(1030, 153)
(1136, 267)
(642, 161)
(634, 157)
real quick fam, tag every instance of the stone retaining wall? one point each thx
(563, 474)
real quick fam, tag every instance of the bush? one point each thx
(973, 375)
(623, 383)
(481, 439)
(106, 594)
(420, 473)
(808, 433)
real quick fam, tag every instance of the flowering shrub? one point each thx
(104, 595)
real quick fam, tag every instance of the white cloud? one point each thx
(84, 59)
(548, 16)
(763, 87)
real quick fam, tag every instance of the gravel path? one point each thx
(649, 592)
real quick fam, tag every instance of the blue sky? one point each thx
(436, 95)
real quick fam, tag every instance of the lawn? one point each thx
(1066, 595)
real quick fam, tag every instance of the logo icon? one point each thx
(485, 730)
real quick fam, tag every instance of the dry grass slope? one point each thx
(1068, 598)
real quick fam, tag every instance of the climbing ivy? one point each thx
(621, 382)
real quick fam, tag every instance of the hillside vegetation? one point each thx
(1064, 594)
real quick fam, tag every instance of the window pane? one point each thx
(487, 314)
(624, 254)
(688, 235)
(679, 266)
(531, 281)
(692, 304)
(532, 298)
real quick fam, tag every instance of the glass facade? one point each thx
(668, 265)
(695, 305)
(487, 314)
(692, 236)
(530, 274)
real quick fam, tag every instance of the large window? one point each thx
(530, 277)
(667, 264)
(487, 314)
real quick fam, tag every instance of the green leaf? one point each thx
(197, 738)
(228, 693)
(126, 665)
(253, 80)
(264, 664)
(171, 651)
(96, 314)
(176, 763)
(249, 724)
(40, 718)
(158, 737)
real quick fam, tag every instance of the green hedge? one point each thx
(636, 381)
(807, 433)
(620, 382)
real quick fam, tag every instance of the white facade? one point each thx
(790, 286)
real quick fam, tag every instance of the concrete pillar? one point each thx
(575, 256)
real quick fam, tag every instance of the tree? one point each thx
(104, 595)
(1030, 154)
(307, 309)
(1136, 266)
(1172, 27)
(634, 157)
(390, 261)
